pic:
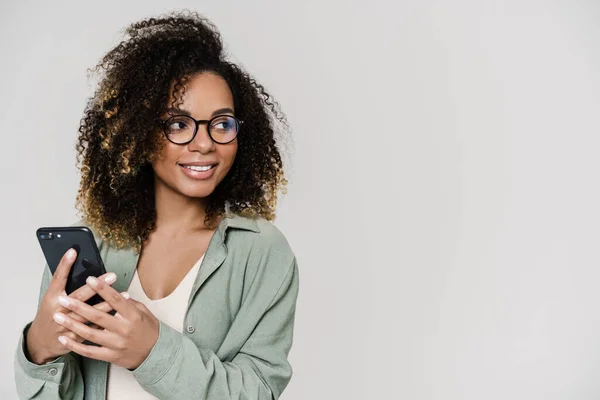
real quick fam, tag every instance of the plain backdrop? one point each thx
(444, 193)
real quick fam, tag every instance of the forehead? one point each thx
(205, 93)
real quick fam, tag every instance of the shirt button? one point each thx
(191, 329)
(53, 371)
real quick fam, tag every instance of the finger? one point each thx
(95, 352)
(60, 276)
(85, 292)
(139, 306)
(76, 317)
(65, 332)
(98, 336)
(73, 336)
(121, 305)
(104, 307)
(91, 314)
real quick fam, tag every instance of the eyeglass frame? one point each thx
(199, 122)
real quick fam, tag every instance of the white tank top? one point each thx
(170, 310)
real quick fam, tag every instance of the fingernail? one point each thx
(93, 282)
(59, 318)
(110, 278)
(71, 254)
(62, 340)
(125, 295)
(64, 301)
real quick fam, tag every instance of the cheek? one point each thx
(166, 157)
(228, 154)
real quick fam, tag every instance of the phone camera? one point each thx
(47, 236)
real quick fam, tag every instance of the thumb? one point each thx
(61, 274)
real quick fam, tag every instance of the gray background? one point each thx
(444, 197)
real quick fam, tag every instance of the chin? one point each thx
(197, 192)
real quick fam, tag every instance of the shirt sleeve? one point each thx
(177, 369)
(58, 379)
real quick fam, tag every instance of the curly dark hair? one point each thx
(119, 132)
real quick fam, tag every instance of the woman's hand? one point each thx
(127, 337)
(41, 340)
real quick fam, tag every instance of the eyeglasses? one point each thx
(182, 129)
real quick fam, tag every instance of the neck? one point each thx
(177, 214)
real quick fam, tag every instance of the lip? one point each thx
(198, 175)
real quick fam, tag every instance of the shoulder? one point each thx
(259, 231)
(272, 236)
(80, 222)
(260, 240)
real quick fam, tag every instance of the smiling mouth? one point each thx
(199, 168)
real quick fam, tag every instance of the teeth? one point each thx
(198, 168)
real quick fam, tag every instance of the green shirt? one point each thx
(237, 331)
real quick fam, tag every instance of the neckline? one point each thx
(136, 280)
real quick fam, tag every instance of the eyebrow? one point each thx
(225, 110)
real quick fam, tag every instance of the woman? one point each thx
(179, 179)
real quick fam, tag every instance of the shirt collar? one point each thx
(238, 222)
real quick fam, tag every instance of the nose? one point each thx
(202, 141)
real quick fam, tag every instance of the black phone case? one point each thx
(56, 241)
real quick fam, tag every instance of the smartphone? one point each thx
(56, 241)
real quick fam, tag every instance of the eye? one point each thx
(176, 124)
(225, 123)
